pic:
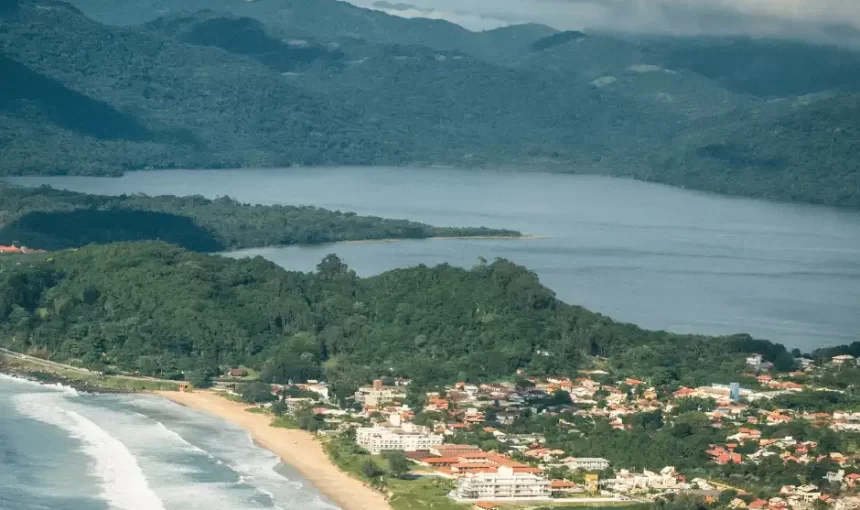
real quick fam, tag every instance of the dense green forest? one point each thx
(158, 309)
(52, 219)
(337, 84)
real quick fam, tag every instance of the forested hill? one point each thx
(52, 219)
(315, 82)
(152, 307)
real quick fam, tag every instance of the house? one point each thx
(841, 359)
(561, 487)
(737, 503)
(485, 505)
(684, 392)
(838, 458)
(544, 454)
(754, 361)
(10, 249)
(319, 388)
(728, 458)
(804, 493)
(757, 504)
(373, 396)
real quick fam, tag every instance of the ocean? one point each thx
(63, 450)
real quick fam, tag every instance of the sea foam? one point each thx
(123, 484)
(55, 386)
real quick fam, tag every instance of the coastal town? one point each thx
(776, 440)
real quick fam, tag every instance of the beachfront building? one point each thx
(373, 396)
(586, 463)
(504, 485)
(409, 438)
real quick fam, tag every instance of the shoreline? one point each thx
(297, 448)
(432, 238)
(389, 240)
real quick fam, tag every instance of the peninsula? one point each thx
(51, 219)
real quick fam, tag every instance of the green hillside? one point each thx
(149, 307)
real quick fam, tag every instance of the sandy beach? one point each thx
(297, 448)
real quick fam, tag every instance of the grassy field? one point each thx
(423, 493)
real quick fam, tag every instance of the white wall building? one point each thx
(373, 396)
(406, 439)
(503, 485)
(586, 463)
(625, 481)
(754, 361)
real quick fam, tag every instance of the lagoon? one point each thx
(661, 257)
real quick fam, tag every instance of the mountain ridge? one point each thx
(214, 90)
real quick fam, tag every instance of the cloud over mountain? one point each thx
(833, 21)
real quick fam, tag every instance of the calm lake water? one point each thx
(660, 257)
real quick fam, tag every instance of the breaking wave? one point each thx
(123, 484)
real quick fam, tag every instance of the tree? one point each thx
(370, 469)
(398, 463)
(279, 408)
(784, 362)
(200, 379)
(560, 398)
(256, 393)
(306, 419)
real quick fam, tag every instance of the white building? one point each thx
(586, 463)
(754, 361)
(408, 438)
(625, 481)
(842, 359)
(373, 396)
(503, 485)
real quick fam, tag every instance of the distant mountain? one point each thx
(767, 68)
(87, 98)
(804, 149)
(759, 67)
(322, 18)
(244, 36)
(454, 107)
(275, 83)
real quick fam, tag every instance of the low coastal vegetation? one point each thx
(51, 219)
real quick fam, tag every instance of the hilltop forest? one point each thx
(124, 85)
(52, 219)
(158, 309)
